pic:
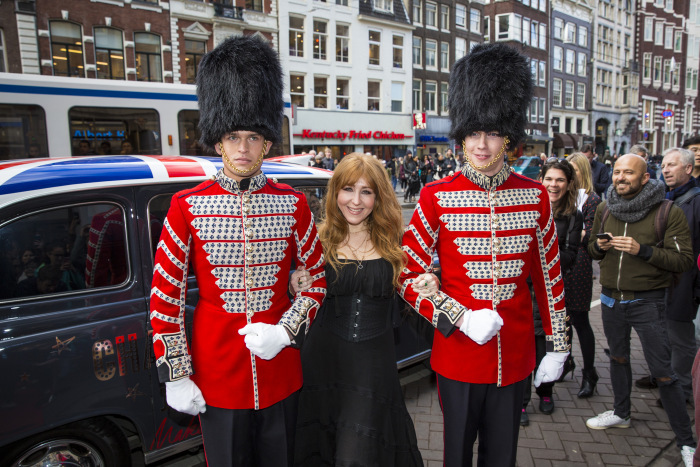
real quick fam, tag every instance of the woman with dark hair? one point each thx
(559, 179)
(426, 170)
(580, 290)
(351, 407)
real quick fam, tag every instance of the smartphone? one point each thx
(604, 236)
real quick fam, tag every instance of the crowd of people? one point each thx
(291, 360)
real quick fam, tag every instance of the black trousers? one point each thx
(247, 437)
(485, 410)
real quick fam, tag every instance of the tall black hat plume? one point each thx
(490, 90)
(239, 87)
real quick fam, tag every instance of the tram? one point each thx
(53, 116)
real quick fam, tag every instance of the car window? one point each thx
(63, 249)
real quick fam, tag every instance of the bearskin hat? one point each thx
(239, 87)
(490, 90)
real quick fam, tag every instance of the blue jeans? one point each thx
(648, 318)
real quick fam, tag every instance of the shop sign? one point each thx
(420, 121)
(352, 134)
(433, 139)
(89, 135)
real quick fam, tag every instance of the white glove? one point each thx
(550, 368)
(481, 325)
(265, 340)
(184, 396)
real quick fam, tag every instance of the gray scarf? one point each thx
(636, 209)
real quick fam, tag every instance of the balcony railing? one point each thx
(227, 11)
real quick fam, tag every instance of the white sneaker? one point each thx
(607, 420)
(687, 454)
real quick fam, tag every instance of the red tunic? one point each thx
(241, 244)
(490, 234)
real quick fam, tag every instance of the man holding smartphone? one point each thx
(635, 272)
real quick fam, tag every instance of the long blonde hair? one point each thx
(581, 162)
(385, 222)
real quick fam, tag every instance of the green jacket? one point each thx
(653, 267)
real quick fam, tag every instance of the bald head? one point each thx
(630, 175)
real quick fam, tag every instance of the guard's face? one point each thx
(482, 148)
(243, 149)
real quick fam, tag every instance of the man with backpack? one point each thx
(684, 294)
(636, 268)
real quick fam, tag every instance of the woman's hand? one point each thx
(426, 285)
(300, 281)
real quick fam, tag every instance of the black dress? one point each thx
(351, 407)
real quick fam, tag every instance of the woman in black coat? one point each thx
(559, 179)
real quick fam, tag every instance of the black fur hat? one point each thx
(239, 87)
(490, 90)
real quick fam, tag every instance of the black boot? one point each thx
(590, 378)
(569, 366)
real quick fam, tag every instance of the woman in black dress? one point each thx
(351, 407)
(580, 293)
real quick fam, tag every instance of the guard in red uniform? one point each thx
(491, 229)
(240, 234)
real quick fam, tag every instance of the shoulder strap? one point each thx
(687, 196)
(661, 220)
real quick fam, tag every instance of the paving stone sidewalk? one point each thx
(562, 438)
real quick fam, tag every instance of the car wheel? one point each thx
(93, 443)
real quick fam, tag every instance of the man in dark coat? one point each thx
(599, 171)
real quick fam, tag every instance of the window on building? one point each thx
(567, 125)
(487, 29)
(542, 36)
(373, 96)
(570, 33)
(676, 76)
(444, 17)
(648, 116)
(525, 31)
(516, 28)
(580, 96)
(667, 72)
(320, 92)
(296, 36)
(558, 27)
(417, 51)
(569, 95)
(461, 15)
(558, 58)
(397, 42)
(148, 59)
(254, 5)
(583, 36)
(657, 70)
(648, 29)
(194, 50)
(320, 40)
(542, 75)
(581, 64)
(384, 5)
(542, 110)
(543, 5)
(570, 61)
(659, 33)
(66, 49)
(417, 95)
(444, 95)
(669, 5)
(474, 20)
(668, 37)
(646, 67)
(533, 71)
(342, 93)
(556, 92)
(397, 97)
(533, 109)
(296, 90)
(109, 53)
(417, 11)
(678, 41)
(460, 48)
(430, 96)
(579, 126)
(430, 14)
(445, 56)
(533, 33)
(375, 40)
(430, 54)
(502, 27)
(342, 43)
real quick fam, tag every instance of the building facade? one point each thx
(569, 58)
